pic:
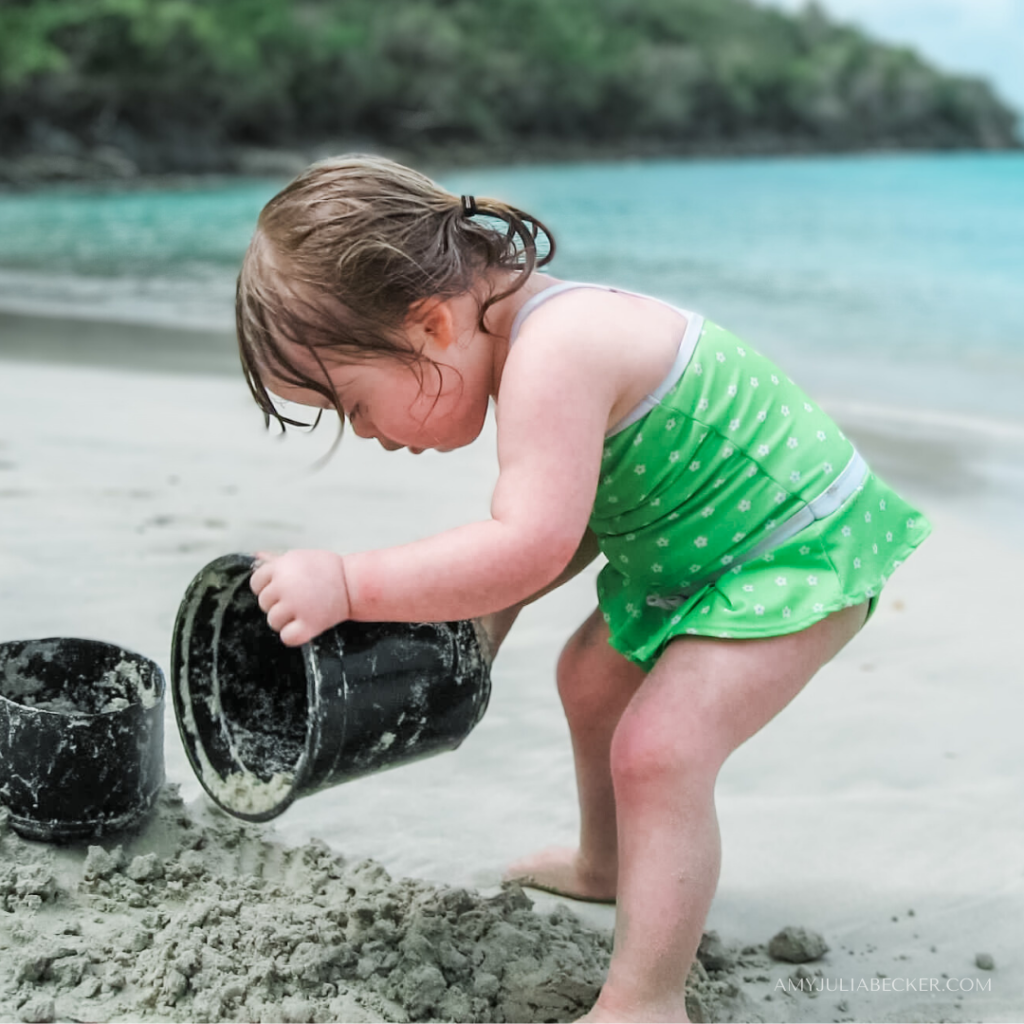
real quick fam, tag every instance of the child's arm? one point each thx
(556, 396)
(497, 624)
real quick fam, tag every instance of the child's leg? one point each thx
(595, 683)
(701, 701)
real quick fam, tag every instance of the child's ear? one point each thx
(431, 321)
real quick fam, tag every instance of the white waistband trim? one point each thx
(825, 504)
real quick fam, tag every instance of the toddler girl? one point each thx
(746, 540)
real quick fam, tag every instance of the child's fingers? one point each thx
(259, 579)
(260, 567)
(295, 634)
(278, 617)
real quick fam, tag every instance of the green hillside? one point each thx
(118, 87)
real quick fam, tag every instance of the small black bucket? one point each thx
(81, 737)
(263, 723)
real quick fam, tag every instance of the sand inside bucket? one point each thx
(40, 676)
(245, 709)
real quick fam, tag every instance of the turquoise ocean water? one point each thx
(889, 279)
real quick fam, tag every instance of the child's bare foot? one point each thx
(561, 870)
(598, 1015)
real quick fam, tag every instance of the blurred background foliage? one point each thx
(124, 86)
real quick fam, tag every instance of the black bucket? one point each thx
(263, 723)
(81, 737)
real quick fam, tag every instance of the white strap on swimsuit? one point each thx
(829, 501)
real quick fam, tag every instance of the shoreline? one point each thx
(32, 172)
(99, 342)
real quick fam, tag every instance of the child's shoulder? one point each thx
(601, 333)
(598, 317)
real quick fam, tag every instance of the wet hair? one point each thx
(344, 252)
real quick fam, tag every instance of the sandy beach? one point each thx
(881, 810)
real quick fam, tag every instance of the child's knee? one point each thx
(594, 680)
(648, 748)
(583, 654)
(579, 700)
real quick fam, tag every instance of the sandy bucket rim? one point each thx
(237, 568)
(136, 699)
(143, 703)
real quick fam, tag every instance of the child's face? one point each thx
(440, 402)
(387, 400)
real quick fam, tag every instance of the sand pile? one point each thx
(200, 917)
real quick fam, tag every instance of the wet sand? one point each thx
(99, 344)
(881, 809)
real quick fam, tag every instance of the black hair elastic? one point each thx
(469, 206)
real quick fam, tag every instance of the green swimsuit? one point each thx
(730, 505)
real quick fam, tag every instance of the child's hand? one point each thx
(302, 592)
